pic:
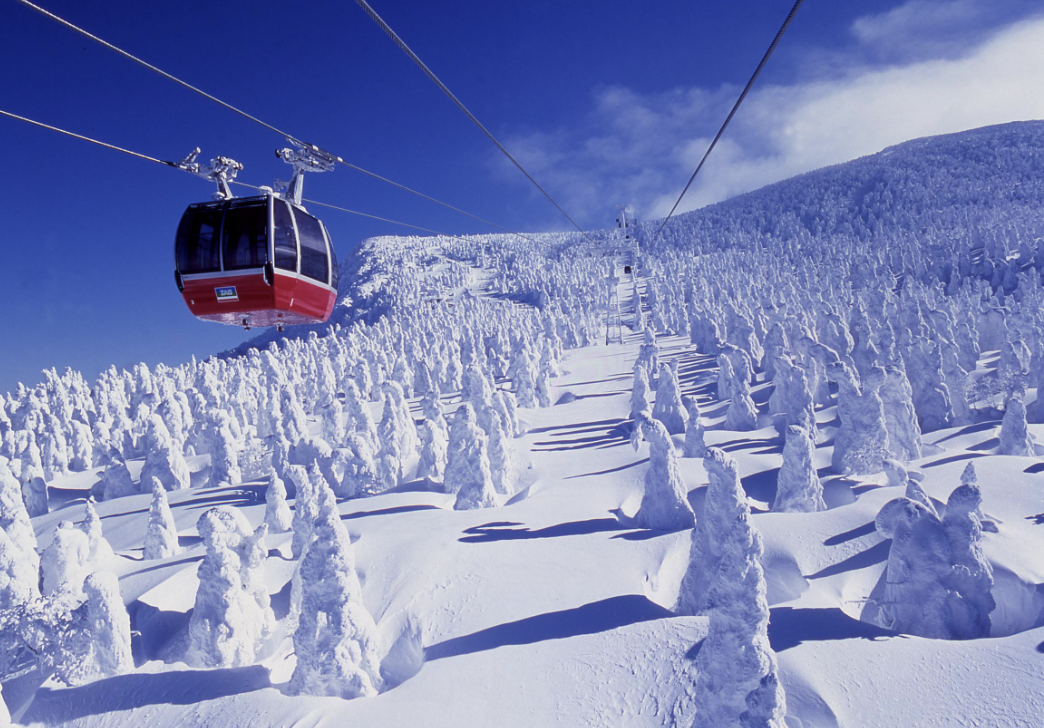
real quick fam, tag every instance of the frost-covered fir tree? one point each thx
(904, 433)
(232, 617)
(500, 457)
(668, 407)
(433, 446)
(14, 521)
(223, 447)
(18, 580)
(972, 576)
(360, 475)
(336, 639)
(116, 481)
(164, 460)
(306, 507)
(34, 492)
(724, 502)
(390, 434)
(161, 535)
(798, 489)
(640, 391)
(738, 683)
(1015, 438)
(99, 549)
(694, 430)
(64, 564)
(331, 417)
(108, 625)
(277, 512)
(937, 581)
(467, 464)
(861, 442)
(742, 414)
(359, 418)
(664, 505)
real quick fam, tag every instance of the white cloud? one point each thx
(641, 148)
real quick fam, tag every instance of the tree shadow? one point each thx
(280, 601)
(390, 511)
(1038, 520)
(592, 618)
(155, 629)
(499, 532)
(970, 430)
(953, 459)
(615, 436)
(617, 469)
(761, 486)
(789, 627)
(858, 532)
(127, 692)
(187, 542)
(876, 554)
(168, 564)
(596, 423)
(227, 496)
(986, 445)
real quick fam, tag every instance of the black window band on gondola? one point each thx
(197, 240)
(314, 261)
(284, 238)
(244, 234)
(333, 259)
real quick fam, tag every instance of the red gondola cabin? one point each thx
(255, 261)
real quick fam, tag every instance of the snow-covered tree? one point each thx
(467, 464)
(724, 502)
(277, 513)
(694, 430)
(163, 459)
(108, 625)
(668, 407)
(798, 489)
(232, 618)
(64, 564)
(161, 535)
(664, 503)
(116, 481)
(972, 577)
(18, 578)
(640, 391)
(306, 507)
(336, 639)
(1014, 433)
(738, 683)
(224, 451)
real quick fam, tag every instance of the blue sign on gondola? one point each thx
(226, 293)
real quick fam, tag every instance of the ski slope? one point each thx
(554, 607)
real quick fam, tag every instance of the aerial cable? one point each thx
(435, 79)
(230, 107)
(746, 90)
(175, 165)
(360, 214)
(88, 139)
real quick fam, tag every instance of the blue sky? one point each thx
(605, 103)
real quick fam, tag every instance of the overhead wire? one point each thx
(244, 114)
(460, 105)
(732, 113)
(88, 139)
(176, 166)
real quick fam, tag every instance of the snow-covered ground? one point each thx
(555, 607)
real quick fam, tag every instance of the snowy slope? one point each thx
(555, 608)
